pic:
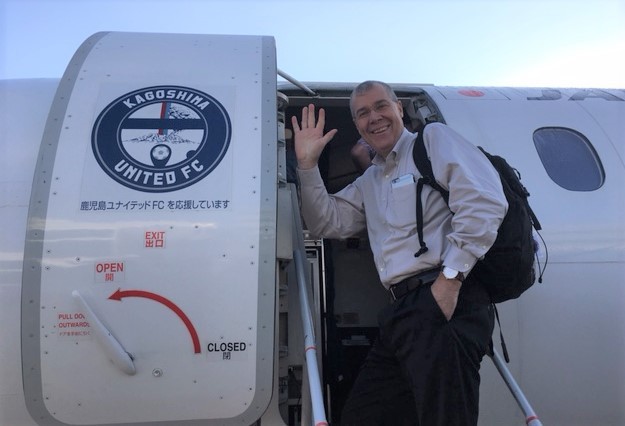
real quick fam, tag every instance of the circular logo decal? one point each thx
(161, 138)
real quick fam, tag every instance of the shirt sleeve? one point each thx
(340, 215)
(475, 195)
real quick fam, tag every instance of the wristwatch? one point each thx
(452, 274)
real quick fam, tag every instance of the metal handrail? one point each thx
(531, 419)
(296, 82)
(310, 347)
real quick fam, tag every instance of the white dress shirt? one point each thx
(383, 200)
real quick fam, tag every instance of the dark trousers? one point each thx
(424, 370)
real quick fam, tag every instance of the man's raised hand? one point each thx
(309, 138)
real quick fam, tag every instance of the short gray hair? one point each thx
(365, 86)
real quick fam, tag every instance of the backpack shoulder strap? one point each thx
(421, 160)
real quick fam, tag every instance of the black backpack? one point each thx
(507, 269)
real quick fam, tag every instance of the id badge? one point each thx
(401, 181)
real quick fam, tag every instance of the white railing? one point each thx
(310, 346)
(531, 419)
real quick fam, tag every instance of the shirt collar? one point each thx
(398, 151)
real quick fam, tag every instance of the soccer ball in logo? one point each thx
(160, 155)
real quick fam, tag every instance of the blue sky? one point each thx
(557, 43)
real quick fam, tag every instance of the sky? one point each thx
(537, 43)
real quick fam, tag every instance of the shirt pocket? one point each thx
(403, 205)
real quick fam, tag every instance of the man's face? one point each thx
(378, 119)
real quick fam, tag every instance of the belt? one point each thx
(409, 284)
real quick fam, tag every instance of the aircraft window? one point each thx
(569, 158)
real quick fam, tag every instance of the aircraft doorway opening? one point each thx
(347, 291)
(350, 299)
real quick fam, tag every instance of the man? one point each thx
(424, 368)
(362, 154)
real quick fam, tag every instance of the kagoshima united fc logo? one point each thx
(161, 138)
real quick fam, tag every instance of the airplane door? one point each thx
(148, 287)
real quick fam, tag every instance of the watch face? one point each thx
(449, 273)
(452, 274)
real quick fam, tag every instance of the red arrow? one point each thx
(119, 294)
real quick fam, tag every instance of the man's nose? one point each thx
(374, 116)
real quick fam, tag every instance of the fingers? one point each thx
(311, 128)
(328, 136)
(322, 118)
(295, 125)
(308, 119)
(309, 115)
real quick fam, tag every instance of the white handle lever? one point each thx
(113, 349)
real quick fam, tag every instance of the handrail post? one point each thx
(310, 347)
(531, 419)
